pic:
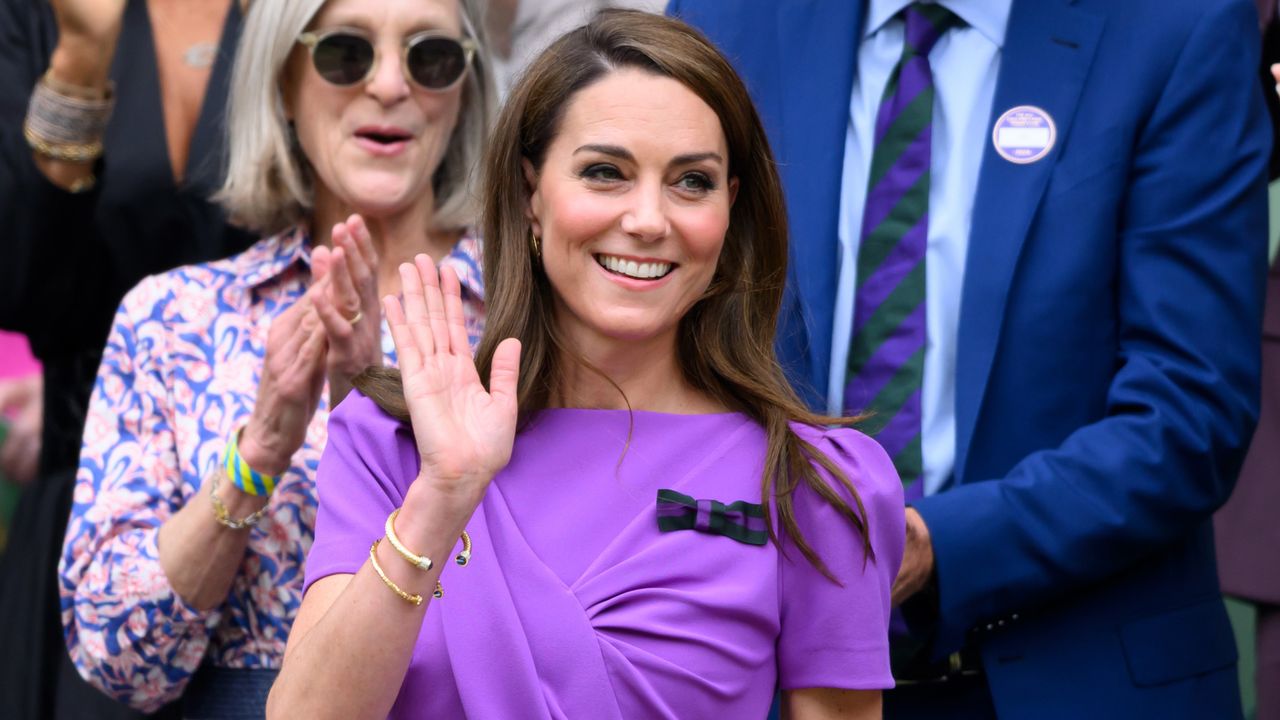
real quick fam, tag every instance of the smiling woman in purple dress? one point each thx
(654, 525)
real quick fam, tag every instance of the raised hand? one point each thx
(463, 432)
(349, 311)
(89, 19)
(87, 34)
(293, 374)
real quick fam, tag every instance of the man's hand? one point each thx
(917, 560)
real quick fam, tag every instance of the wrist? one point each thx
(263, 454)
(238, 503)
(84, 63)
(428, 511)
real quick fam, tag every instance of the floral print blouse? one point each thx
(180, 373)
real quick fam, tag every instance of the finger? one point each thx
(459, 342)
(335, 325)
(357, 256)
(288, 345)
(344, 292)
(407, 354)
(504, 374)
(1275, 72)
(415, 309)
(313, 347)
(320, 261)
(364, 240)
(435, 301)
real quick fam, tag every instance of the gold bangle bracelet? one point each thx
(85, 152)
(415, 598)
(422, 561)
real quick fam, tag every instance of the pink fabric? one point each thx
(575, 605)
(15, 356)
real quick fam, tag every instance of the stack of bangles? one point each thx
(246, 479)
(422, 562)
(67, 122)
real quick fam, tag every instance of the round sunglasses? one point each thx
(431, 59)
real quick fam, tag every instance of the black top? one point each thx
(67, 260)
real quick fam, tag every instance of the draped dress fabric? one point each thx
(574, 603)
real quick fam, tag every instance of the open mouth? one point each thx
(650, 270)
(383, 136)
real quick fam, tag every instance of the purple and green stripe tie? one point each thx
(886, 353)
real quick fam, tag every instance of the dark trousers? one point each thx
(1268, 680)
(964, 698)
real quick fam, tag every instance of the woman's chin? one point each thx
(376, 205)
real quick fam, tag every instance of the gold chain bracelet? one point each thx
(70, 152)
(223, 516)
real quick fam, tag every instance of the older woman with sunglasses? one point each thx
(194, 502)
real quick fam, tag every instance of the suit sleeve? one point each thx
(1183, 402)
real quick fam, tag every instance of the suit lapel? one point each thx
(1048, 49)
(818, 46)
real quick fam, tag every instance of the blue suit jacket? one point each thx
(1107, 368)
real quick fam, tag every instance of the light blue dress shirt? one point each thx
(965, 62)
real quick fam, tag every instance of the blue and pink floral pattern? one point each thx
(180, 372)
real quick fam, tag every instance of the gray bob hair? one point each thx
(268, 183)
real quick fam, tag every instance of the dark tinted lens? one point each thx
(436, 62)
(343, 59)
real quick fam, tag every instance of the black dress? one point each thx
(67, 260)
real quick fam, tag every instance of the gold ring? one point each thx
(356, 319)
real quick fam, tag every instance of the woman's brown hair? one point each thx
(726, 338)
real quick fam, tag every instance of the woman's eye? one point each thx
(602, 172)
(696, 182)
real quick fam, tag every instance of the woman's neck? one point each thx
(397, 238)
(647, 372)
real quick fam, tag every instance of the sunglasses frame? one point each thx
(311, 40)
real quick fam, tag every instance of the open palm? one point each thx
(464, 433)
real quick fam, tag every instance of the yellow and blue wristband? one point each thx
(248, 480)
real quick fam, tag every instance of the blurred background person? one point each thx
(194, 500)
(21, 390)
(519, 30)
(110, 140)
(1246, 529)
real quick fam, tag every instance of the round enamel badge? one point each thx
(1024, 134)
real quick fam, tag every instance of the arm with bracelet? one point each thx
(176, 527)
(464, 436)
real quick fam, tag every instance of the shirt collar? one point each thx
(271, 258)
(989, 17)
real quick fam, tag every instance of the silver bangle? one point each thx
(65, 127)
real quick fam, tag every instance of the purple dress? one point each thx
(575, 604)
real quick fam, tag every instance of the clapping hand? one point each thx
(349, 310)
(463, 432)
(293, 374)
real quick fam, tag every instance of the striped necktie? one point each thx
(886, 353)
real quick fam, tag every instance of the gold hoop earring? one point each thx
(533, 245)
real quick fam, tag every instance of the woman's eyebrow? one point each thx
(696, 157)
(623, 154)
(612, 150)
